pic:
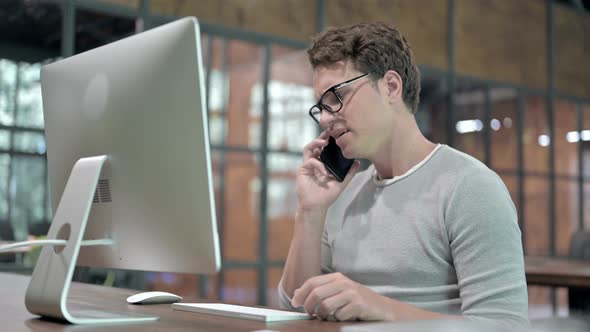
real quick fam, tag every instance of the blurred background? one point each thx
(505, 81)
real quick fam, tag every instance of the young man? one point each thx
(426, 232)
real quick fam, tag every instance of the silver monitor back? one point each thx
(141, 102)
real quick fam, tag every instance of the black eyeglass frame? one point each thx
(333, 89)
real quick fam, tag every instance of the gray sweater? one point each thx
(443, 237)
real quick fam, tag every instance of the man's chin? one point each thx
(349, 150)
(348, 154)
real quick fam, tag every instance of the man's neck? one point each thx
(401, 154)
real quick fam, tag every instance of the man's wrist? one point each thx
(311, 214)
(400, 311)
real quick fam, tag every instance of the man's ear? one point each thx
(393, 85)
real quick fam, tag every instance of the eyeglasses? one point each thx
(331, 100)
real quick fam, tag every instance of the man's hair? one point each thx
(371, 47)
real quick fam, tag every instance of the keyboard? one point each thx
(244, 312)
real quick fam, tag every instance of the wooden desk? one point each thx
(560, 272)
(14, 316)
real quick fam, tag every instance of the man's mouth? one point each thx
(342, 133)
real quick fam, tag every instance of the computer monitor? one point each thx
(128, 148)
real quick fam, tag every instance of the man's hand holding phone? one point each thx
(318, 188)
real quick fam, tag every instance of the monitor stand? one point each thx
(50, 283)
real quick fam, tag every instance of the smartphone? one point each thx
(334, 161)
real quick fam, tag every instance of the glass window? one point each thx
(282, 199)
(432, 121)
(27, 190)
(244, 109)
(35, 30)
(585, 141)
(567, 209)
(212, 290)
(566, 138)
(536, 136)
(30, 108)
(511, 182)
(218, 84)
(536, 192)
(469, 117)
(290, 96)
(4, 140)
(176, 283)
(503, 129)
(180, 283)
(217, 89)
(4, 169)
(216, 160)
(586, 204)
(282, 203)
(8, 77)
(290, 127)
(567, 199)
(241, 207)
(240, 286)
(586, 162)
(432, 113)
(29, 142)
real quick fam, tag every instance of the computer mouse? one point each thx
(153, 298)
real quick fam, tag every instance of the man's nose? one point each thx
(326, 119)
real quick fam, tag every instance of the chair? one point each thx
(579, 298)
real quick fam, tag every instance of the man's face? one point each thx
(362, 123)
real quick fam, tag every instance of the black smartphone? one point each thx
(334, 161)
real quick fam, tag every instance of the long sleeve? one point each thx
(486, 248)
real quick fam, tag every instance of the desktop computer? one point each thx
(129, 165)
